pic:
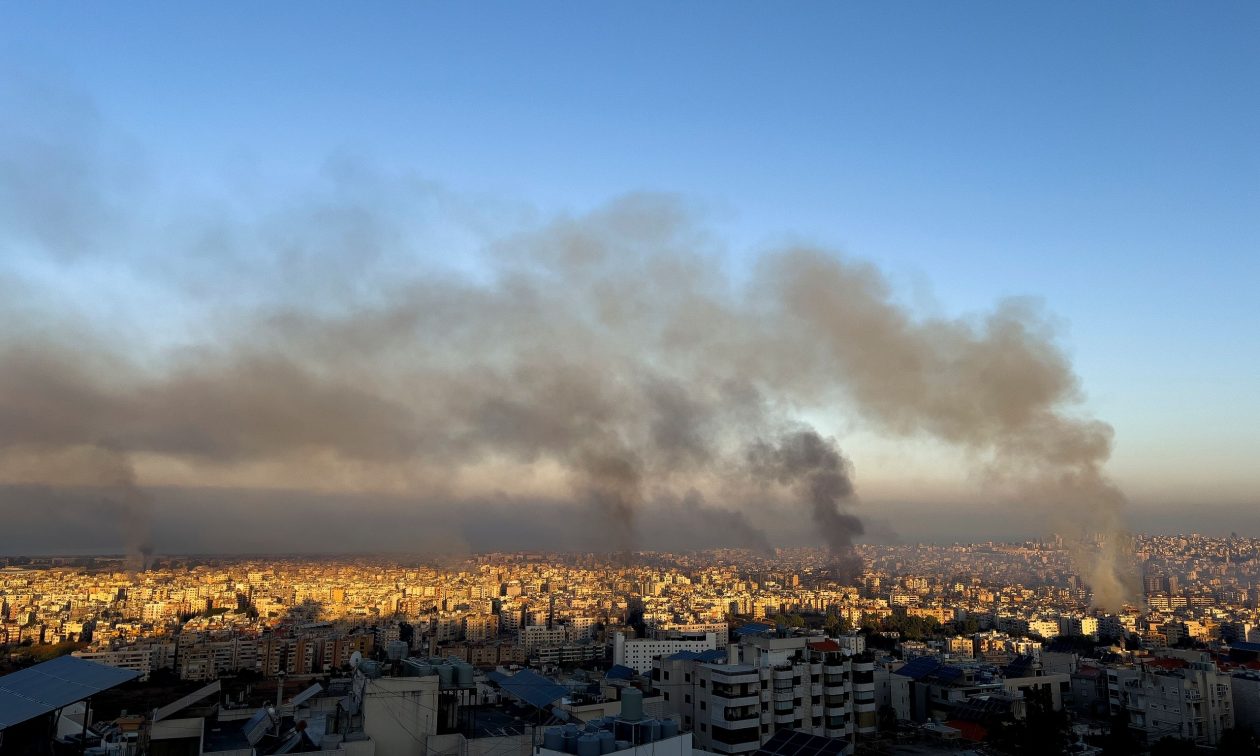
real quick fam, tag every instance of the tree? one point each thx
(887, 719)
(968, 626)
(837, 625)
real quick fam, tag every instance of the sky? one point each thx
(1100, 159)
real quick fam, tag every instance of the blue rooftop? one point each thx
(44, 688)
(620, 672)
(919, 668)
(530, 687)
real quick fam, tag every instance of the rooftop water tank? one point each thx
(553, 739)
(396, 650)
(650, 731)
(669, 728)
(631, 704)
(570, 739)
(464, 675)
(607, 741)
(623, 745)
(446, 675)
(588, 745)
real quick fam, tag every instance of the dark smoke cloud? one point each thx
(814, 468)
(324, 345)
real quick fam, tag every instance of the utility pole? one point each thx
(279, 698)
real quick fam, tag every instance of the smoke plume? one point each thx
(814, 468)
(329, 344)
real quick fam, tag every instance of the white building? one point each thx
(138, 659)
(638, 653)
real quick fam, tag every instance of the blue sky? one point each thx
(1104, 157)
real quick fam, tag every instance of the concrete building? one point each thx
(137, 659)
(765, 685)
(1193, 701)
(638, 653)
(1245, 687)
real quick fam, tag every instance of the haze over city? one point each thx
(838, 378)
(315, 284)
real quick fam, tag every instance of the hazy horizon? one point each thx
(321, 280)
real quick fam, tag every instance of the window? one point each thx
(704, 684)
(703, 706)
(666, 695)
(687, 698)
(687, 677)
(666, 675)
(704, 727)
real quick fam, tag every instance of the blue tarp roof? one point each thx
(753, 628)
(620, 672)
(530, 687)
(46, 687)
(918, 668)
(1245, 646)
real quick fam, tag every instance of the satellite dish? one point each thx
(355, 658)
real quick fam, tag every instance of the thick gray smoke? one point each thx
(732, 528)
(814, 468)
(591, 359)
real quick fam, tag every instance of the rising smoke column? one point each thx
(591, 357)
(814, 469)
(1000, 387)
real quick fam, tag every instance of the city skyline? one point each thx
(206, 278)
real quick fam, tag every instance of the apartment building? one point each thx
(765, 685)
(1170, 697)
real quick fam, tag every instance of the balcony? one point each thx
(727, 691)
(740, 714)
(741, 701)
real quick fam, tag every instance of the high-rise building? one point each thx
(765, 685)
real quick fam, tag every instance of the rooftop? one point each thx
(47, 687)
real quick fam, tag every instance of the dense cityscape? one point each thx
(952, 643)
(629, 379)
